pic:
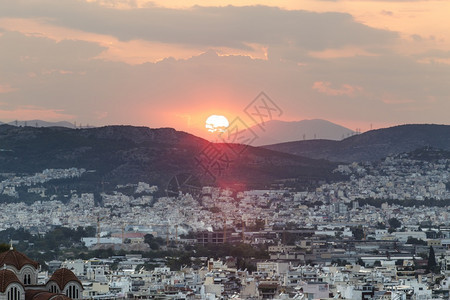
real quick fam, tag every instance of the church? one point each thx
(19, 280)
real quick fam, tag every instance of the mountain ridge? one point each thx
(277, 131)
(40, 123)
(129, 154)
(371, 145)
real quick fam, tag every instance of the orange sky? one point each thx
(173, 63)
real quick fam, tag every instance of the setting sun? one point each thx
(216, 123)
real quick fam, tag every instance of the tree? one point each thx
(414, 241)
(358, 232)
(432, 265)
(148, 238)
(361, 262)
(380, 225)
(4, 247)
(394, 223)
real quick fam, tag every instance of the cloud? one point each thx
(6, 88)
(156, 94)
(33, 50)
(232, 27)
(345, 89)
(387, 12)
(393, 99)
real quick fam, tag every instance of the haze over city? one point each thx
(174, 63)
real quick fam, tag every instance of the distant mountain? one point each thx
(40, 123)
(126, 154)
(276, 131)
(372, 145)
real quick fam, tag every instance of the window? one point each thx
(53, 289)
(27, 279)
(14, 293)
(72, 292)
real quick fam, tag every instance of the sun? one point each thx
(216, 123)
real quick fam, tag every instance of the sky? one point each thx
(173, 63)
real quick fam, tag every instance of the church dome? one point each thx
(16, 259)
(6, 278)
(63, 276)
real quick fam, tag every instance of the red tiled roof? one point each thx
(63, 276)
(16, 259)
(6, 278)
(43, 295)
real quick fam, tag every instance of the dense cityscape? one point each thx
(383, 233)
(224, 149)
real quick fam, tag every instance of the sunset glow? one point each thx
(359, 62)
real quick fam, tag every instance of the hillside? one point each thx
(372, 145)
(126, 154)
